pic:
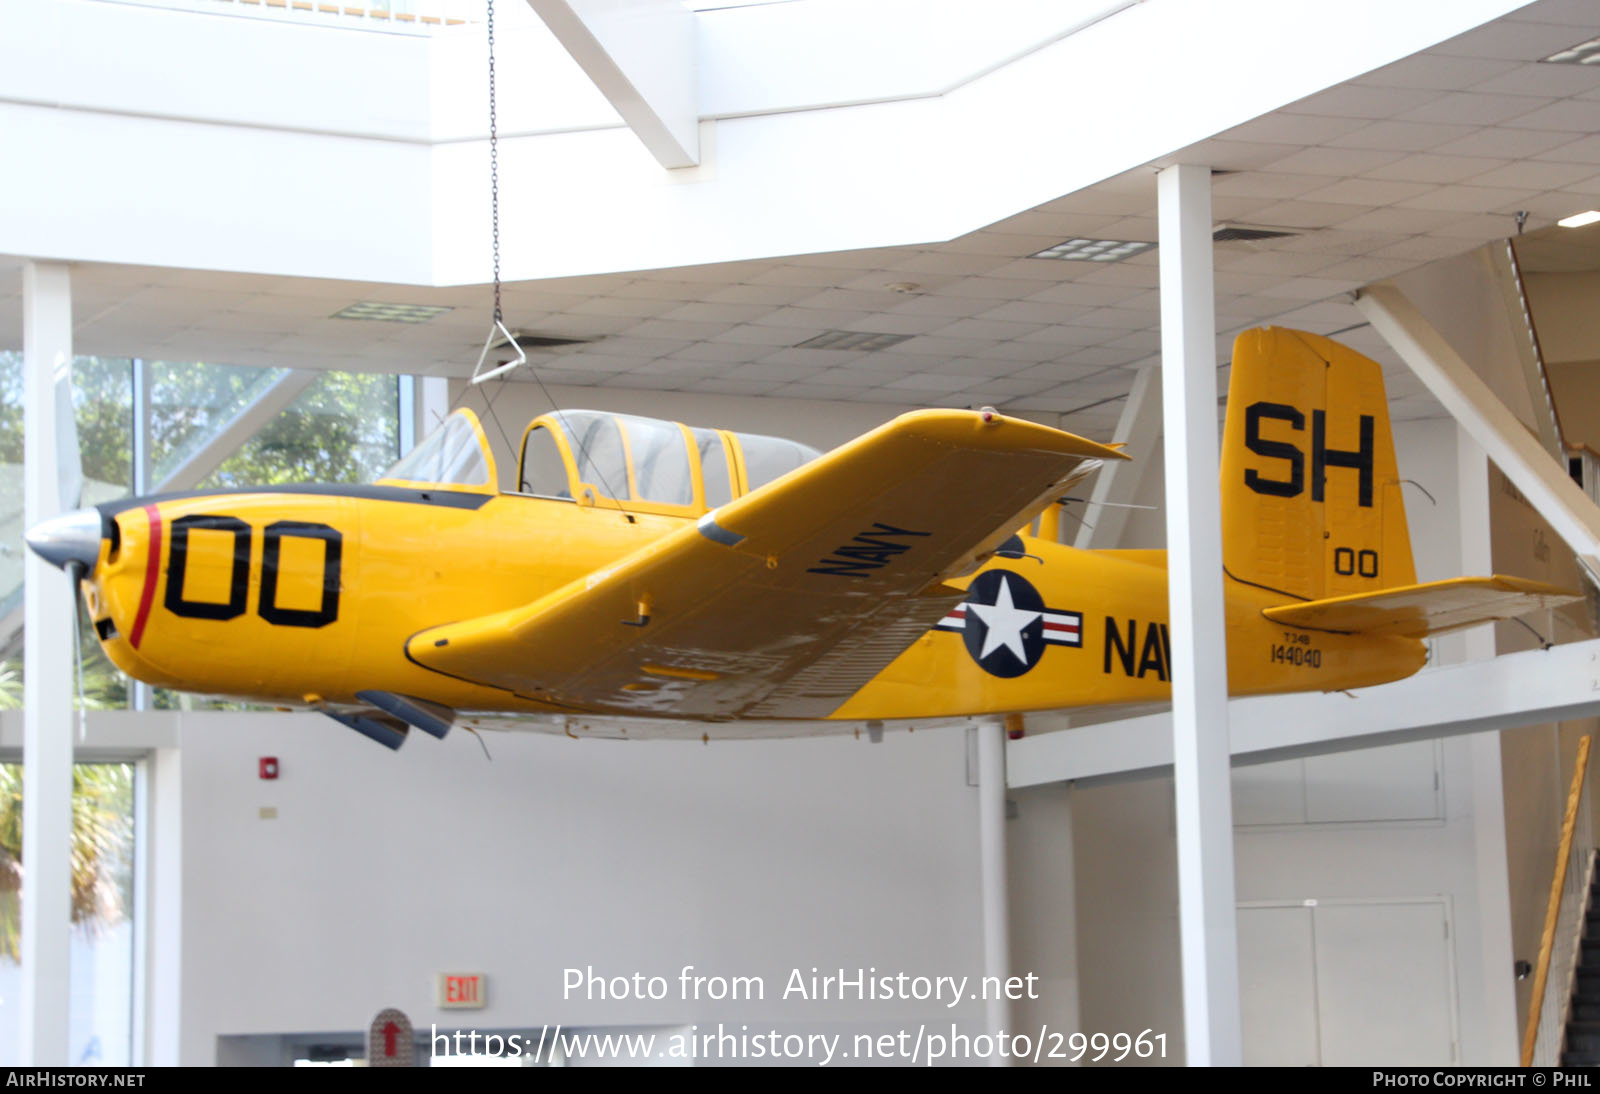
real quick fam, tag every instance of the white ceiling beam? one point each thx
(641, 55)
(1512, 690)
(1542, 480)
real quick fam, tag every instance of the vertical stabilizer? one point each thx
(1311, 501)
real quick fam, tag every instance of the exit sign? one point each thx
(462, 990)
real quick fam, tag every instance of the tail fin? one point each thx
(1311, 503)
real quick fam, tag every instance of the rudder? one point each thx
(1311, 496)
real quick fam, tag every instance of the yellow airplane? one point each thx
(659, 574)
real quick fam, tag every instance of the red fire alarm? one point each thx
(269, 767)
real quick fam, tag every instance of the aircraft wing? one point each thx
(784, 602)
(1413, 611)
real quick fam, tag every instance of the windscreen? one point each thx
(452, 455)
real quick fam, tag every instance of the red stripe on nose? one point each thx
(152, 570)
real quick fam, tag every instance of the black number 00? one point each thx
(239, 580)
(1347, 562)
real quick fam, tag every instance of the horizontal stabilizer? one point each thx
(1413, 611)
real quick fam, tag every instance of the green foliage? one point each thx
(102, 849)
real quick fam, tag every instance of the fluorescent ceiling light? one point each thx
(1094, 250)
(389, 313)
(852, 339)
(1584, 53)
(1578, 220)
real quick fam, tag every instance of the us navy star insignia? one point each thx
(1006, 626)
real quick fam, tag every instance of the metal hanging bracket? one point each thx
(497, 327)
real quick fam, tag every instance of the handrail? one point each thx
(1569, 823)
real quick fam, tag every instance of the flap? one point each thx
(1412, 611)
(847, 552)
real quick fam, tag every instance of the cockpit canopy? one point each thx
(597, 458)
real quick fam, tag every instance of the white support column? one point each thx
(1499, 996)
(47, 685)
(1542, 480)
(1203, 788)
(992, 864)
(1116, 484)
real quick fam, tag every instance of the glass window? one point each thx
(451, 454)
(714, 467)
(544, 472)
(660, 461)
(597, 444)
(766, 458)
(100, 991)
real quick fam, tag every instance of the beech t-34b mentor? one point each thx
(658, 574)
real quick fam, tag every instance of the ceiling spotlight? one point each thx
(389, 313)
(1578, 220)
(1094, 250)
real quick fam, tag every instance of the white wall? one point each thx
(382, 869)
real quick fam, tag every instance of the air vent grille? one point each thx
(1239, 233)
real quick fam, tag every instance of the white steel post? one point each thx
(48, 605)
(992, 864)
(1203, 790)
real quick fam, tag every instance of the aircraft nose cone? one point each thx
(71, 537)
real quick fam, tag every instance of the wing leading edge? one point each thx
(784, 602)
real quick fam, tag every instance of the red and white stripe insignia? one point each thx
(1063, 628)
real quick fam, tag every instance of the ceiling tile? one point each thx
(1477, 228)
(929, 381)
(1569, 115)
(994, 243)
(1401, 136)
(1536, 174)
(1509, 40)
(677, 330)
(1575, 13)
(816, 319)
(1333, 162)
(1505, 143)
(1356, 101)
(1270, 184)
(987, 288)
(988, 330)
(772, 295)
(1470, 108)
(1304, 214)
(949, 263)
(1396, 221)
(1430, 167)
(716, 313)
(1426, 70)
(1583, 150)
(1548, 81)
(1366, 192)
(753, 334)
(953, 307)
(1466, 199)
(1299, 129)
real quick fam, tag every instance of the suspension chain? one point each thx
(494, 170)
